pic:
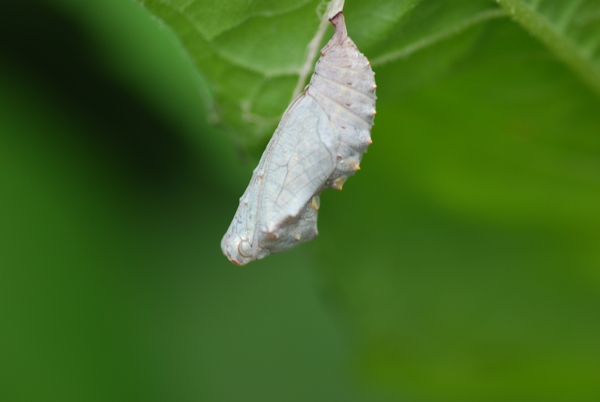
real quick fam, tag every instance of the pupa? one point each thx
(318, 144)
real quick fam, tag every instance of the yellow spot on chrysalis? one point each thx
(315, 203)
(354, 166)
(339, 182)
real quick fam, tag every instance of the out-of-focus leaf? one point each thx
(429, 23)
(112, 283)
(465, 253)
(464, 257)
(571, 29)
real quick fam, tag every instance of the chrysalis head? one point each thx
(240, 251)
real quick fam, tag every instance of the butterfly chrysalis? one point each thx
(319, 143)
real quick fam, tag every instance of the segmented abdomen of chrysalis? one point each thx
(343, 85)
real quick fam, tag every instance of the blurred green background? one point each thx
(461, 263)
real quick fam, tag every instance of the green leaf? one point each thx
(571, 29)
(252, 52)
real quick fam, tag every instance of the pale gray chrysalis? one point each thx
(318, 144)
